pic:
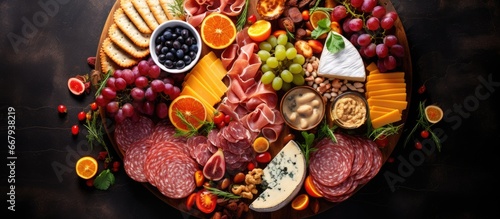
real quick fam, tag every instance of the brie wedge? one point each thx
(345, 64)
(284, 177)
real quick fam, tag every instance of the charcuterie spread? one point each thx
(223, 135)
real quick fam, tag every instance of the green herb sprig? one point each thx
(223, 194)
(423, 123)
(307, 147)
(242, 18)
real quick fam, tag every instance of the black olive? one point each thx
(180, 54)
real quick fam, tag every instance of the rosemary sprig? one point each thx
(424, 124)
(223, 194)
(177, 8)
(242, 18)
(95, 133)
(326, 131)
(102, 83)
(192, 131)
(385, 131)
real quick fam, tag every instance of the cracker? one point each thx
(166, 5)
(134, 16)
(120, 57)
(120, 39)
(142, 7)
(129, 29)
(106, 64)
(158, 13)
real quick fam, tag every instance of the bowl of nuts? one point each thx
(349, 110)
(302, 108)
(175, 46)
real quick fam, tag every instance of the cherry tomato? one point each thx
(263, 157)
(250, 166)
(93, 106)
(252, 19)
(218, 117)
(82, 116)
(116, 164)
(418, 145)
(382, 141)
(102, 155)
(421, 89)
(62, 109)
(220, 125)
(190, 201)
(75, 129)
(90, 182)
(305, 15)
(424, 134)
(206, 201)
(227, 119)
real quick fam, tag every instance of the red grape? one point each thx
(398, 50)
(390, 62)
(128, 110)
(157, 85)
(368, 5)
(390, 40)
(364, 39)
(154, 71)
(111, 83)
(120, 84)
(128, 75)
(161, 110)
(150, 95)
(137, 94)
(141, 82)
(356, 24)
(339, 12)
(387, 23)
(356, 3)
(108, 93)
(373, 23)
(370, 50)
(382, 50)
(112, 107)
(143, 67)
(378, 11)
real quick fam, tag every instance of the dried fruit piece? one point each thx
(270, 9)
(76, 86)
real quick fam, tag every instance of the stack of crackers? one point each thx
(127, 41)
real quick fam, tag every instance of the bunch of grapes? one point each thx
(282, 66)
(143, 89)
(368, 26)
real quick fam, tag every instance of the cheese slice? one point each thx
(390, 117)
(345, 64)
(284, 177)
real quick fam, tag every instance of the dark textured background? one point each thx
(455, 48)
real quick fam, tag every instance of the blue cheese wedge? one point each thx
(283, 177)
(345, 64)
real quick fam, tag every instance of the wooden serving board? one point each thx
(286, 212)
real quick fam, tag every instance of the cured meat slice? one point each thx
(175, 178)
(376, 165)
(331, 164)
(164, 131)
(332, 191)
(359, 154)
(367, 161)
(202, 149)
(156, 156)
(131, 130)
(134, 159)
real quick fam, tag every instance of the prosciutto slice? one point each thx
(197, 10)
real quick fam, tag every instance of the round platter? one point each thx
(287, 211)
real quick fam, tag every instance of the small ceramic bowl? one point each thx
(302, 108)
(173, 52)
(349, 110)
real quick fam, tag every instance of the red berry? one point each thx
(220, 125)
(62, 109)
(116, 164)
(115, 169)
(382, 141)
(421, 89)
(90, 182)
(418, 145)
(424, 134)
(227, 119)
(75, 129)
(102, 155)
(250, 166)
(252, 19)
(82, 116)
(93, 106)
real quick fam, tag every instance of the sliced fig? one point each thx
(215, 168)
(76, 86)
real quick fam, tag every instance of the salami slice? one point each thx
(332, 191)
(165, 131)
(131, 130)
(134, 159)
(156, 156)
(367, 161)
(359, 154)
(376, 165)
(331, 164)
(175, 178)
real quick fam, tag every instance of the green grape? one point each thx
(295, 68)
(265, 46)
(280, 47)
(286, 86)
(265, 68)
(289, 45)
(299, 59)
(272, 62)
(277, 83)
(298, 79)
(282, 39)
(287, 76)
(267, 77)
(272, 40)
(291, 53)
(263, 55)
(280, 54)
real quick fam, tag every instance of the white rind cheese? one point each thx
(345, 64)
(284, 177)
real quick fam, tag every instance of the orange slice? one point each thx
(300, 202)
(260, 30)
(86, 167)
(433, 113)
(310, 188)
(316, 16)
(217, 31)
(260, 144)
(187, 113)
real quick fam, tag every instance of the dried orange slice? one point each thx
(316, 16)
(433, 113)
(300, 202)
(187, 113)
(217, 31)
(86, 167)
(260, 30)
